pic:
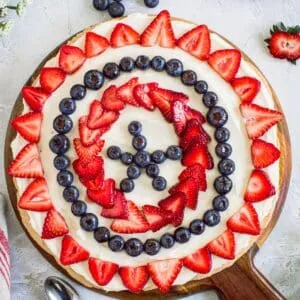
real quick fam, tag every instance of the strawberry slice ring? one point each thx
(193, 152)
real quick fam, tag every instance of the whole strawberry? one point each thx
(284, 42)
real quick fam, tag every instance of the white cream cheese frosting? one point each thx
(160, 135)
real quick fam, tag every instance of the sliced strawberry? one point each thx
(225, 62)
(196, 42)
(164, 106)
(197, 172)
(189, 187)
(259, 119)
(179, 118)
(27, 164)
(29, 126)
(285, 45)
(224, 245)
(263, 153)
(104, 196)
(110, 101)
(51, 79)
(120, 208)
(199, 261)
(102, 271)
(156, 217)
(259, 187)
(94, 183)
(245, 220)
(134, 278)
(193, 131)
(175, 204)
(36, 196)
(191, 113)
(88, 169)
(54, 225)
(95, 44)
(71, 58)
(88, 136)
(246, 87)
(72, 252)
(159, 32)
(141, 92)
(124, 35)
(164, 272)
(125, 92)
(136, 222)
(35, 97)
(87, 152)
(197, 153)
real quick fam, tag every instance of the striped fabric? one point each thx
(4, 255)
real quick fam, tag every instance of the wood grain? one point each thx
(239, 281)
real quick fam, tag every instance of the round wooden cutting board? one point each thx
(241, 281)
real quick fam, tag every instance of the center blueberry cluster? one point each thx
(142, 160)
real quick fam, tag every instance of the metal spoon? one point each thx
(58, 289)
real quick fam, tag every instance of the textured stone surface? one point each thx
(246, 23)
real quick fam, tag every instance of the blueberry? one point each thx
(126, 64)
(201, 87)
(182, 235)
(62, 124)
(101, 234)
(89, 222)
(126, 158)
(151, 246)
(133, 171)
(71, 193)
(142, 159)
(210, 99)
(174, 152)
(59, 144)
(167, 240)
(111, 70)
(226, 166)
(158, 156)
(152, 170)
(223, 150)
(217, 116)
(116, 243)
(211, 217)
(65, 178)
(197, 226)
(135, 128)
(188, 77)
(222, 134)
(159, 183)
(101, 4)
(93, 79)
(126, 185)
(114, 152)
(223, 185)
(174, 67)
(67, 106)
(142, 62)
(151, 3)
(139, 142)
(78, 208)
(78, 92)
(116, 9)
(220, 203)
(134, 247)
(61, 162)
(158, 63)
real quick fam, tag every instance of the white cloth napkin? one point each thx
(4, 254)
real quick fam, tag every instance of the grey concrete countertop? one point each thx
(245, 23)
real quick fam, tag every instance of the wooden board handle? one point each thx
(244, 281)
